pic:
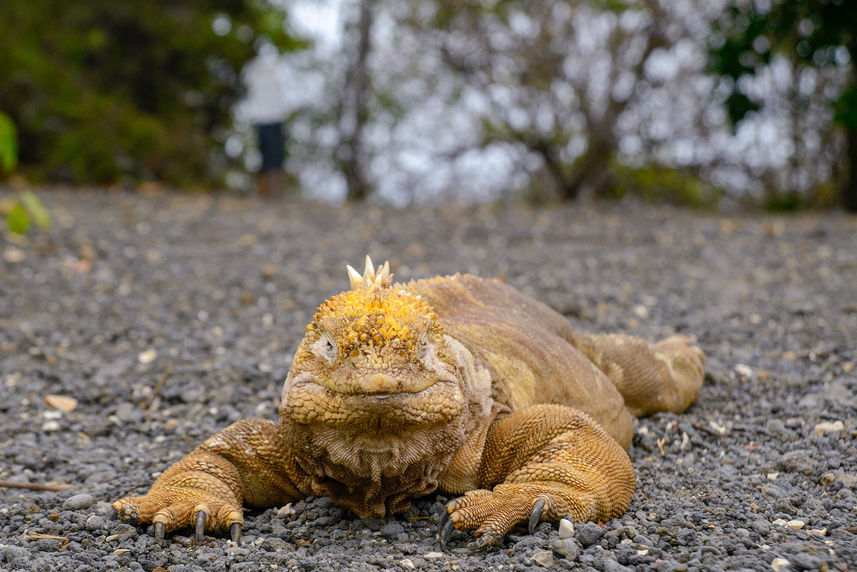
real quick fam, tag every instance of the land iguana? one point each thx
(455, 384)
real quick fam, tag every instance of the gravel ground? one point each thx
(168, 317)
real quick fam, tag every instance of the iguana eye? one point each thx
(326, 348)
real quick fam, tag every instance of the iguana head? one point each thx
(373, 357)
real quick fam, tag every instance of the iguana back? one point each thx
(529, 348)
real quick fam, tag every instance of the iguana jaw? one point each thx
(306, 401)
(394, 444)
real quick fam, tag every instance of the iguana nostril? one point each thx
(381, 383)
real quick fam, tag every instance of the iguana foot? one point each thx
(494, 513)
(683, 356)
(175, 508)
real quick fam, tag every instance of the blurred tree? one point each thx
(354, 103)
(106, 90)
(557, 76)
(814, 36)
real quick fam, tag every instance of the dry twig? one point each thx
(36, 486)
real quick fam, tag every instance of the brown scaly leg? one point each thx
(544, 462)
(665, 376)
(246, 463)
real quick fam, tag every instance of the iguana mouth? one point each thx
(374, 385)
(305, 400)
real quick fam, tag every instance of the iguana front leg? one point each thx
(543, 462)
(246, 463)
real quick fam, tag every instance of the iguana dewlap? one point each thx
(457, 384)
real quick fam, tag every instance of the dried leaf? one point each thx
(61, 402)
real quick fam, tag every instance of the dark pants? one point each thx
(272, 145)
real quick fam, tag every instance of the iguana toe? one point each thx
(126, 512)
(176, 508)
(494, 513)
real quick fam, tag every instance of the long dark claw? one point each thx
(200, 524)
(235, 532)
(160, 530)
(536, 515)
(446, 533)
(444, 518)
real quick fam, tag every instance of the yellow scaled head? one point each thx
(373, 325)
(377, 346)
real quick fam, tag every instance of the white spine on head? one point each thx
(370, 279)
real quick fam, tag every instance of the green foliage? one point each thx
(845, 109)
(17, 220)
(24, 210)
(8, 145)
(657, 184)
(818, 34)
(806, 31)
(109, 90)
(823, 196)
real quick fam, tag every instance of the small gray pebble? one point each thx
(798, 461)
(374, 524)
(274, 544)
(78, 502)
(95, 522)
(123, 531)
(566, 548)
(589, 533)
(610, 565)
(11, 553)
(392, 530)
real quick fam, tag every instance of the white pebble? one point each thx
(829, 427)
(50, 426)
(566, 529)
(147, 356)
(433, 555)
(641, 311)
(744, 370)
(779, 563)
(286, 510)
(14, 255)
(796, 524)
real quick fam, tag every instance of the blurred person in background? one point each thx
(265, 108)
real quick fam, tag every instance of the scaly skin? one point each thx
(456, 384)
